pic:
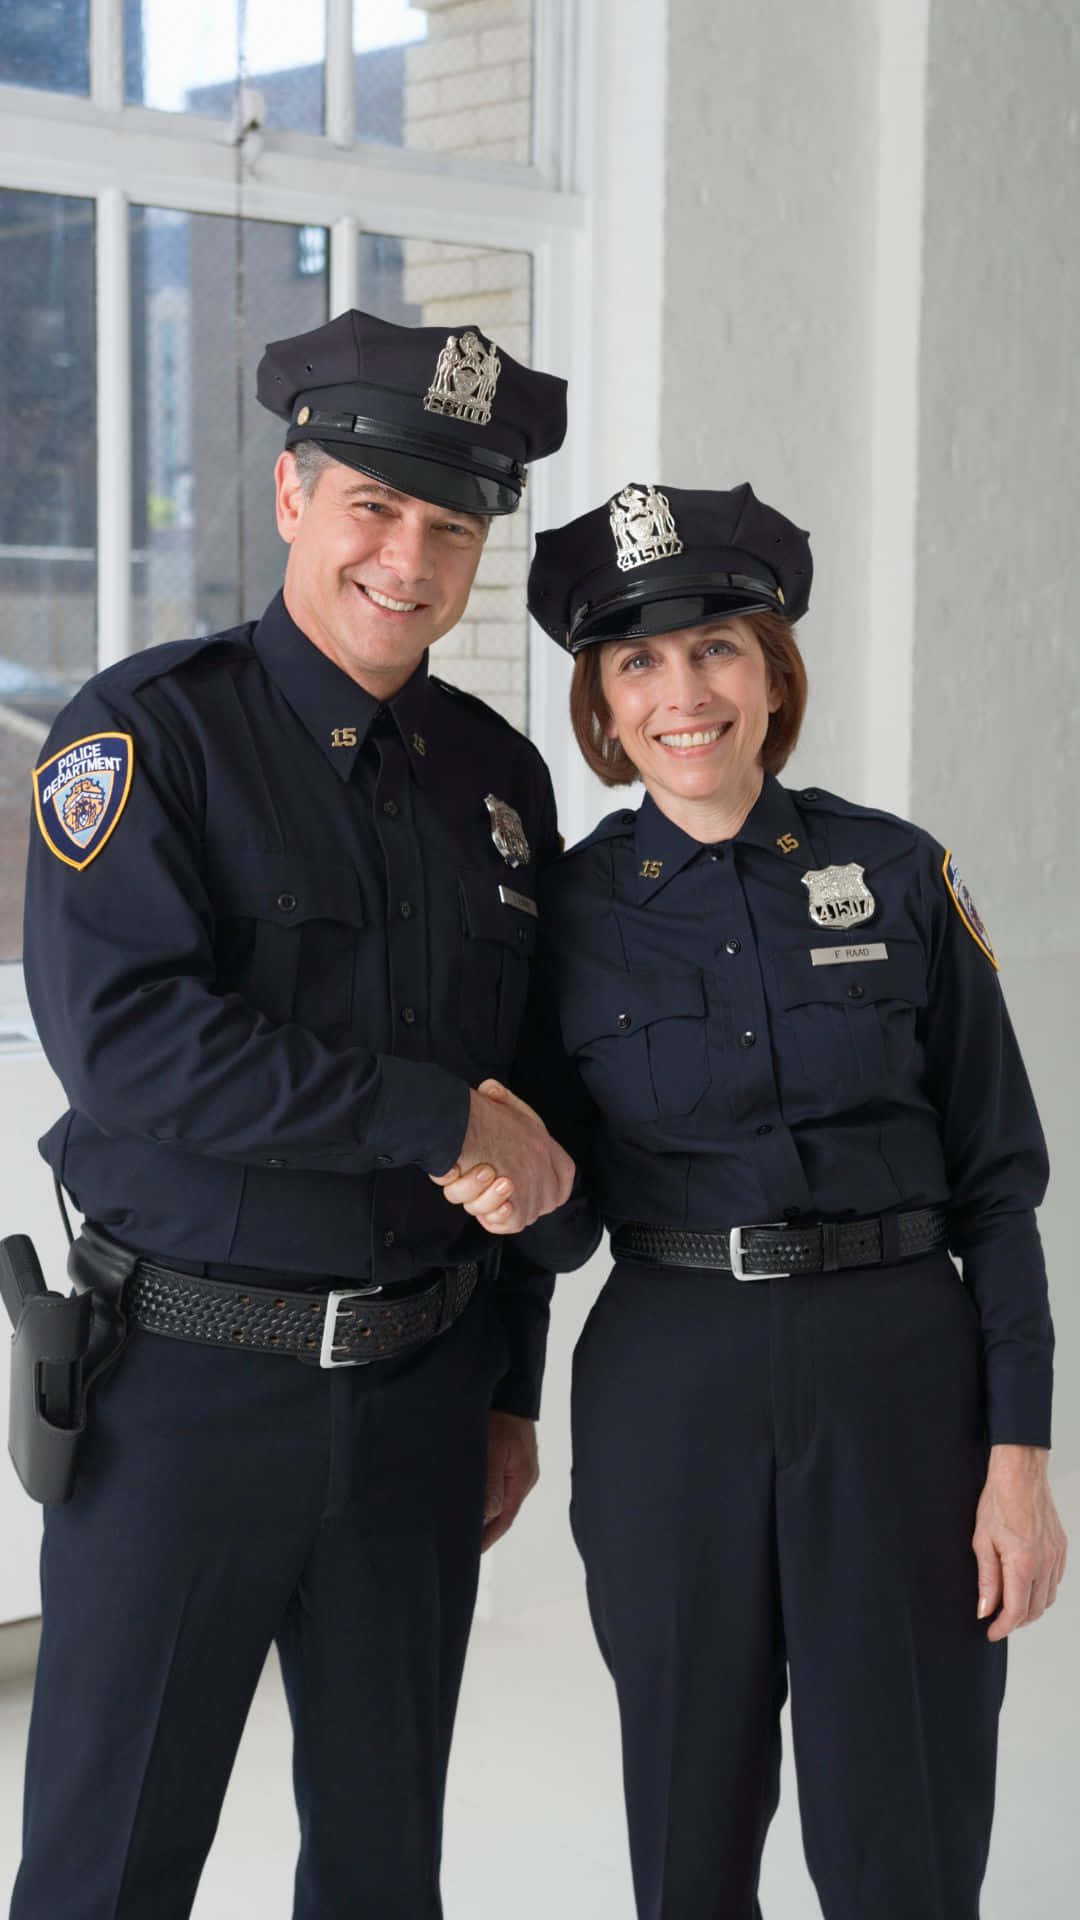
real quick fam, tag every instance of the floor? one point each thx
(534, 1819)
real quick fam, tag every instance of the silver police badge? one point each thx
(644, 527)
(839, 896)
(465, 376)
(507, 831)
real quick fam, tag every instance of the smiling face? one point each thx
(373, 576)
(691, 710)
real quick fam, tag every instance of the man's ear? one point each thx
(288, 496)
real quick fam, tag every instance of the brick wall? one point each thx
(468, 89)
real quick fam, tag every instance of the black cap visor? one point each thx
(644, 610)
(429, 480)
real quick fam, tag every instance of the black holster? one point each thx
(60, 1346)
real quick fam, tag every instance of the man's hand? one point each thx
(515, 1171)
(513, 1470)
(1019, 1541)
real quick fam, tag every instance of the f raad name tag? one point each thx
(842, 956)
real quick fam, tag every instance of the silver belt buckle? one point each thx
(735, 1251)
(333, 1304)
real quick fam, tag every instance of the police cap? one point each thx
(655, 559)
(446, 417)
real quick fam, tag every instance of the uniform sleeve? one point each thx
(120, 971)
(996, 1161)
(561, 1240)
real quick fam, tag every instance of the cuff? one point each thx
(421, 1116)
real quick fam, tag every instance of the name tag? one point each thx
(838, 956)
(519, 900)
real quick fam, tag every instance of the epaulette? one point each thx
(816, 799)
(609, 828)
(476, 705)
(153, 663)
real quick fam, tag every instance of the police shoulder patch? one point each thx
(966, 908)
(80, 793)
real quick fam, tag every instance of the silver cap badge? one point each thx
(508, 831)
(465, 376)
(644, 527)
(839, 896)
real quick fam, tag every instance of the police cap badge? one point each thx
(655, 559)
(449, 418)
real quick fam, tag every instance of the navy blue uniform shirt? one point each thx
(738, 1082)
(268, 991)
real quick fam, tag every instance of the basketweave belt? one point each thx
(346, 1327)
(775, 1251)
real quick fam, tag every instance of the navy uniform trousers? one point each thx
(230, 1500)
(779, 1479)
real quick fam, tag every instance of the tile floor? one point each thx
(534, 1819)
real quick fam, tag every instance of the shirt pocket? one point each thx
(499, 944)
(855, 1024)
(638, 1039)
(289, 939)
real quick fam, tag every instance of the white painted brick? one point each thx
(484, 86)
(422, 98)
(523, 79)
(495, 603)
(458, 644)
(506, 640)
(484, 677)
(502, 568)
(474, 16)
(442, 280)
(496, 271)
(433, 59)
(505, 43)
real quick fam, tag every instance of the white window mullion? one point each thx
(114, 425)
(107, 54)
(340, 74)
(344, 261)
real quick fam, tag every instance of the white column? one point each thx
(107, 54)
(340, 74)
(114, 425)
(343, 265)
(894, 452)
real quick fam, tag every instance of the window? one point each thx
(267, 166)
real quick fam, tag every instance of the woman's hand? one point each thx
(1019, 1542)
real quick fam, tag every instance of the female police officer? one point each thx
(803, 1092)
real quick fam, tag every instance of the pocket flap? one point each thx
(900, 976)
(489, 917)
(597, 1001)
(289, 890)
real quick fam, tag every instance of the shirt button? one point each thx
(765, 1128)
(408, 1014)
(732, 946)
(716, 853)
(405, 909)
(277, 1163)
(522, 936)
(389, 1237)
(383, 1160)
(855, 992)
(287, 902)
(747, 1039)
(622, 1021)
(390, 807)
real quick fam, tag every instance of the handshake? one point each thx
(509, 1171)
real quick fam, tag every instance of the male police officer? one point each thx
(280, 914)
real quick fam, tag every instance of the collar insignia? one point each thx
(80, 793)
(508, 832)
(787, 842)
(465, 376)
(839, 896)
(644, 527)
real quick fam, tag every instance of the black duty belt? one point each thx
(343, 1328)
(776, 1251)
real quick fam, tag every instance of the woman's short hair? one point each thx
(590, 714)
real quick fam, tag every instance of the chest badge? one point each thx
(839, 896)
(508, 832)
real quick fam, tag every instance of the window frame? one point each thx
(98, 148)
